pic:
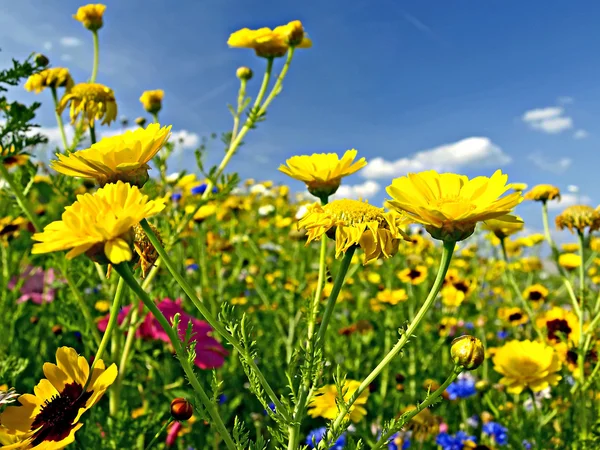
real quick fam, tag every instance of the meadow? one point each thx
(141, 309)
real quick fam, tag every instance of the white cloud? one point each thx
(564, 100)
(47, 45)
(70, 41)
(469, 152)
(357, 191)
(185, 139)
(573, 188)
(66, 57)
(551, 120)
(569, 200)
(558, 166)
(580, 134)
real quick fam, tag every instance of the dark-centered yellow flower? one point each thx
(414, 276)
(9, 157)
(352, 222)
(322, 172)
(54, 78)
(578, 217)
(269, 43)
(91, 16)
(543, 193)
(450, 205)
(95, 101)
(535, 293)
(123, 157)
(152, 100)
(99, 224)
(49, 418)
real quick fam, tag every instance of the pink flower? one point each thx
(37, 285)
(443, 427)
(209, 352)
(172, 434)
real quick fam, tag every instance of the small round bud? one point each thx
(244, 73)
(41, 60)
(57, 329)
(467, 352)
(140, 121)
(483, 386)
(181, 409)
(486, 417)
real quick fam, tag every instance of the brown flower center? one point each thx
(557, 327)
(535, 296)
(515, 317)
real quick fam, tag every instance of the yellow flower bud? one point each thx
(244, 73)
(467, 352)
(41, 60)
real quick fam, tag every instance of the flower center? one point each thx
(514, 317)
(414, 274)
(55, 419)
(353, 212)
(535, 296)
(557, 327)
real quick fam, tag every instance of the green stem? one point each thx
(277, 86)
(582, 341)
(21, 200)
(93, 133)
(264, 85)
(384, 439)
(294, 427)
(513, 283)
(155, 117)
(213, 322)
(157, 435)
(447, 251)
(96, 56)
(59, 119)
(239, 110)
(125, 272)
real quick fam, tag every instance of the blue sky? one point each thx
(405, 83)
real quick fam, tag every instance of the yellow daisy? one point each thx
(269, 43)
(414, 276)
(152, 100)
(535, 293)
(124, 157)
(322, 172)
(560, 325)
(324, 404)
(99, 224)
(94, 100)
(543, 193)
(352, 222)
(450, 205)
(578, 217)
(49, 418)
(54, 78)
(91, 16)
(502, 228)
(569, 261)
(10, 158)
(527, 364)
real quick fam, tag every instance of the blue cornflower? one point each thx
(463, 387)
(497, 432)
(527, 445)
(399, 438)
(271, 407)
(318, 434)
(192, 267)
(222, 399)
(469, 325)
(176, 196)
(502, 334)
(456, 442)
(201, 188)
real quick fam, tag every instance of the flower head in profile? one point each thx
(322, 172)
(450, 205)
(91, 16)
(578, 217)
(324, 402)
(569, 261)
(53, 78)
(543, 193)
(123, 157)
(527, 364)
(503, 228)
(99, 225)
(49, 418)
(95, 101)
(269, 43)
(352, 222)
(152, 100)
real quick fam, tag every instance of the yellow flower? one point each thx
(54, 78)
(519, 187)
(447, 326)
(353, 222)
(11, 228)
(94, 100)
(413, 276)
(502, 228)
(527, 364)
(514, 316)
(450, 205)
(535, 293)
(388, 296)
(152, 100)
(269, 43)
(531, 240)
(102, 306)
(10, 158)
(543, 193)
(323, 403)
(578, 217)
(569, 261)
(49, 419)
(560, 325)
(91, 16)
(322, 172)
(204, 212)
(99, 224)
(452, 297)
(123, 157)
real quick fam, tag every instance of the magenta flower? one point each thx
(209, 352)
(37, 285)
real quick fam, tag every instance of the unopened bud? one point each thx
(483, 386)
(140, 121)
(41, 60)
(181, 409)
(244, 73)
(467, 352)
